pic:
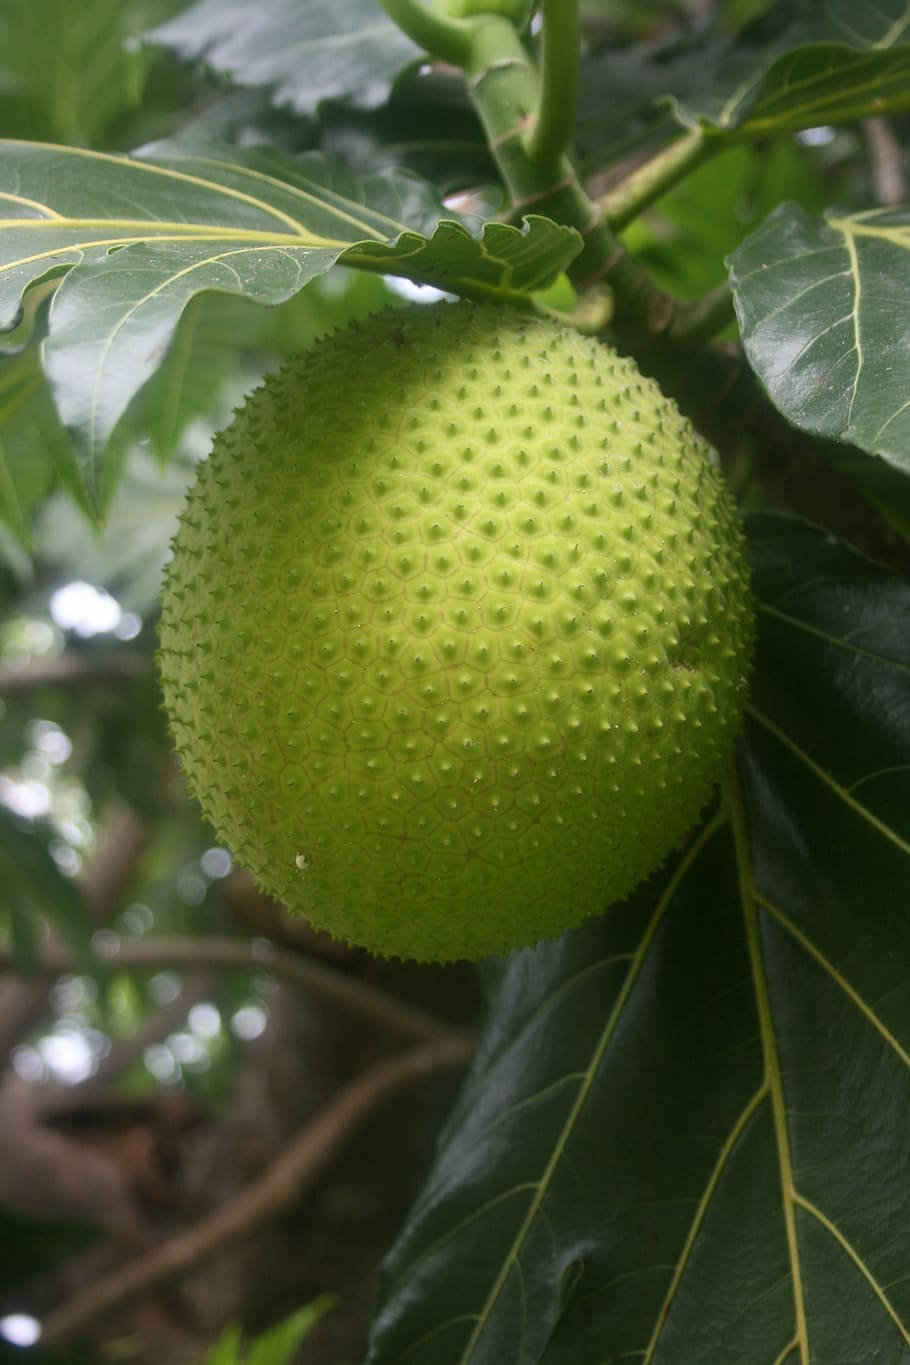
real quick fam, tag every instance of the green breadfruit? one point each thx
(454, 634)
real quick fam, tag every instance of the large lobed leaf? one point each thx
(685, 1136)
(822, 306)
(304, 53)
(139, 238)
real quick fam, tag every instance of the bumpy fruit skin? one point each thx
(454, 634)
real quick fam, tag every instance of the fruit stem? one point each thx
(590, 316)
(443, 37)
(659, 174)
(554, 121)
(505, 87)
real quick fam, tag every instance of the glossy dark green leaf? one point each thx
(822, 306)
(140, 238)
(684, 1139)
(304, 53)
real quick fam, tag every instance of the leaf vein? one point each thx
(836, 976)
(857, 1260)
(830, 781)
(705, 835)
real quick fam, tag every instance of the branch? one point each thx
(280, 1186)
(154, 1029)
(627, 200)
(442, 37)
(554, 121)
(23, 1002)
(360, 997)
(72, 669)
(887, 160)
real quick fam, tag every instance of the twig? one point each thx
(258, 955)
(887, 160)
(281, 1184)
(71, 669)
(124, 835)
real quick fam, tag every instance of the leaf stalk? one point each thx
(657, 175)
(445, 38)
(551, 131)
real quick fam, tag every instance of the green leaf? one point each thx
(67, 72)
(227, 1349)
(428, 125)
(802, 65)
(682, 241)
(36, 891)
(127, 554)
(821, 303)
(798, 66)
(34, 448)
(304, 53)
(278, 1344)
(817, 83)
(198, 363)
(685, 1134)
(622, 105)
(255, 224)
(884, 486)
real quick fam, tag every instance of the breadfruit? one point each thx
(454, 634)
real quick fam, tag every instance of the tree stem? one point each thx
(279, 1186)
(554, 122)
(371, 1003)
(655, 177)
(443, 37)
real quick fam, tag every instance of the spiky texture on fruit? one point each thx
(454, 634)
